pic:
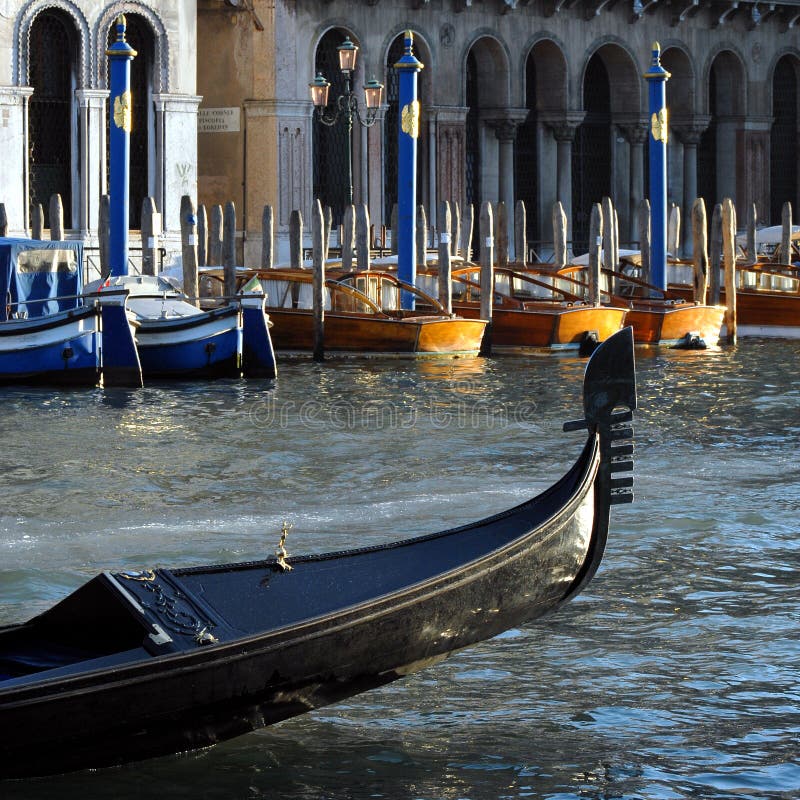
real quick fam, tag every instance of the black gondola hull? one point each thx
(287, 641)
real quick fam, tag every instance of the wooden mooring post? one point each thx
(486, 230)
(348, 238)
(645, 240)
(296, 237)
(501, 226)
(362, 237)
(700, 250)
(229, 249)
(202, 235)
(267, 237)
(421, 250)
(786, 234)
(455, 237)
(56, 218)
(151, 228)
(520, 234)
(559, 236)
(752, 244)
(467, 226)
(189, 248)
(37, 222)
(597, 223)
(215, 228)
(318, 280)
(715, 256)
(445, 265)
(729, 256)
(3, 220)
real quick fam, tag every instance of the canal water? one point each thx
(676, 674)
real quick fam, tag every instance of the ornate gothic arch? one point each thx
(161, 78)
(22, 32)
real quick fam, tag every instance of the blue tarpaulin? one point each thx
(33, 272)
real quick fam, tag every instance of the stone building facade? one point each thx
(536, 100)
(54, 108)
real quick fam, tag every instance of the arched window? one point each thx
(591, 154)
(473, 137)
(783, 138)
(526, 166)
(139, 36)
(52, 128)
(330, 143)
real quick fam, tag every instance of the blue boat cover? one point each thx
(34, 272)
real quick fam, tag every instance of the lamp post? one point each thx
(347, 104)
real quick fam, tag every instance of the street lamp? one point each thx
(347, 104)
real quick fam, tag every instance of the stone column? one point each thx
(176, 156)
(450, 151)
(279, 167)
(505, 129)
(92, 121)
(689, 132)
(14, 176)
(636, 134)
(564, 127)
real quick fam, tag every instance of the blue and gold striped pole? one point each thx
(408, 67)
(120, 55)
(657, 78)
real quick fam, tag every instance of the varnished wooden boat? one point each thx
(362, 315)
(767, 298)
(528, 312)
(657, 317)
(133, 665)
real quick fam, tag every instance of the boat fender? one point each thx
(691, 341)
(590, 341)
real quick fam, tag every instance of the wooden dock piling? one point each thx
(318, 280)
(422, 237)
(674, 231)
(598, 221)
(715, 256)
(645, 236)
(267, 237)
(751, 245)
(700, 250)
(3, 220)
(520, 234)
(189, 248)
(296, 238)
(362, 237)
(445, 264)
(559, 236)
(786, 234)
(37, 222)
(56, 218)
(151, 227)
(501, 226)
(486, 231)
(215, 229)
(729, 256)
(455, 233)
(202, 235)
(229, 249)
(348, 238)
(467, 225)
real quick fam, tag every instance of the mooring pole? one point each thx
(657, 78)
(408, 68)
(120, 55)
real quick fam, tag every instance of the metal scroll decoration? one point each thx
(123, 112)
(409, 119)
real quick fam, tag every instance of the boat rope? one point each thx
(281, 552)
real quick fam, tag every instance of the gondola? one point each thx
(139, 664)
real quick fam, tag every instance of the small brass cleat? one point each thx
(281, 551)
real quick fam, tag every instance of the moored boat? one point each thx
(175, 339)
(50, 332)
(529, 313)
(137, 664)
(362, 315)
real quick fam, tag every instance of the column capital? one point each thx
(92, 98)
(690, 129)
(563, 124)
(504, 122)
(634, 127)
(14, 95)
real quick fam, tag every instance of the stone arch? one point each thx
(161, 76)
(493, 68)
(725, 67)
(681, 87)
(624, 76)
(784, 86)
(392, 52)
(22, 39)
(551, 75)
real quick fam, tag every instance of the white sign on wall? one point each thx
(218, 120)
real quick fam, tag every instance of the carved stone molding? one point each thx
(564, 124)
(689, 130)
